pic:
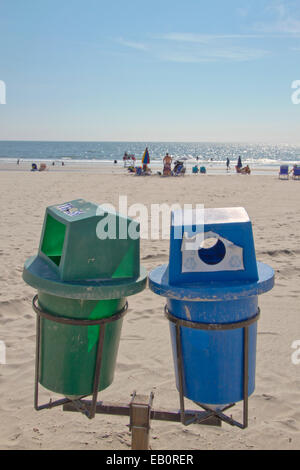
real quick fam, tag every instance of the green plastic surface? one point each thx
(68, 353)
(72, 245)
(53, 240)
(38, 274)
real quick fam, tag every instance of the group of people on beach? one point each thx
(167, 166)
(239, 167)
(42, 166)
(179, 168)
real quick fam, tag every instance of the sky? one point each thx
(159, 70)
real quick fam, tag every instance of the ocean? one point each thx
(258, 154)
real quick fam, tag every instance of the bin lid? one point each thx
(159, 283)
(84, 241)
(38, 274)
(211, 244)
(87, 251)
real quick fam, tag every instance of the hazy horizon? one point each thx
(294, 144)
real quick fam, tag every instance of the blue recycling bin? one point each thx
(212, 285)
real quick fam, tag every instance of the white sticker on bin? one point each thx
(69, 209)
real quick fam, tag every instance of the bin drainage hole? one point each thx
(212, 251)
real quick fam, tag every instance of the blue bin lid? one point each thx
(211, 245)
(159, 283)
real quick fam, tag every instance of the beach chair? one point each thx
(195, 169)
(203, 170)
(138, 171)
(179, 169)
(296, 173)
(283, 172)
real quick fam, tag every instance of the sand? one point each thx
(144, 359)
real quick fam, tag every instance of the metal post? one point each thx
(140, 412)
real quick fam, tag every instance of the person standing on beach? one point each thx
(167, 161)
(228, 164)
(239, 163)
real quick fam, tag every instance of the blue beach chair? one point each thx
(284, 172)
(296, 173)
(179, 169)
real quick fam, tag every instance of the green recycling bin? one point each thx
(86, 266)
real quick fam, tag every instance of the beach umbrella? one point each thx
(146, 157)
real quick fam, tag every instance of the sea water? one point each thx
(264, 155)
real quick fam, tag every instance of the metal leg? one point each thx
(246, 376)
(37, 362)
(97, 371)
(180, 372)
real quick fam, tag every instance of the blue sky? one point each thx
(183, 70)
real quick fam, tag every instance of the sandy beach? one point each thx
(109, 168)
(145, 358)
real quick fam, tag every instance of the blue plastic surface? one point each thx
(212, 359)
(230, 226)
(215, 291)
